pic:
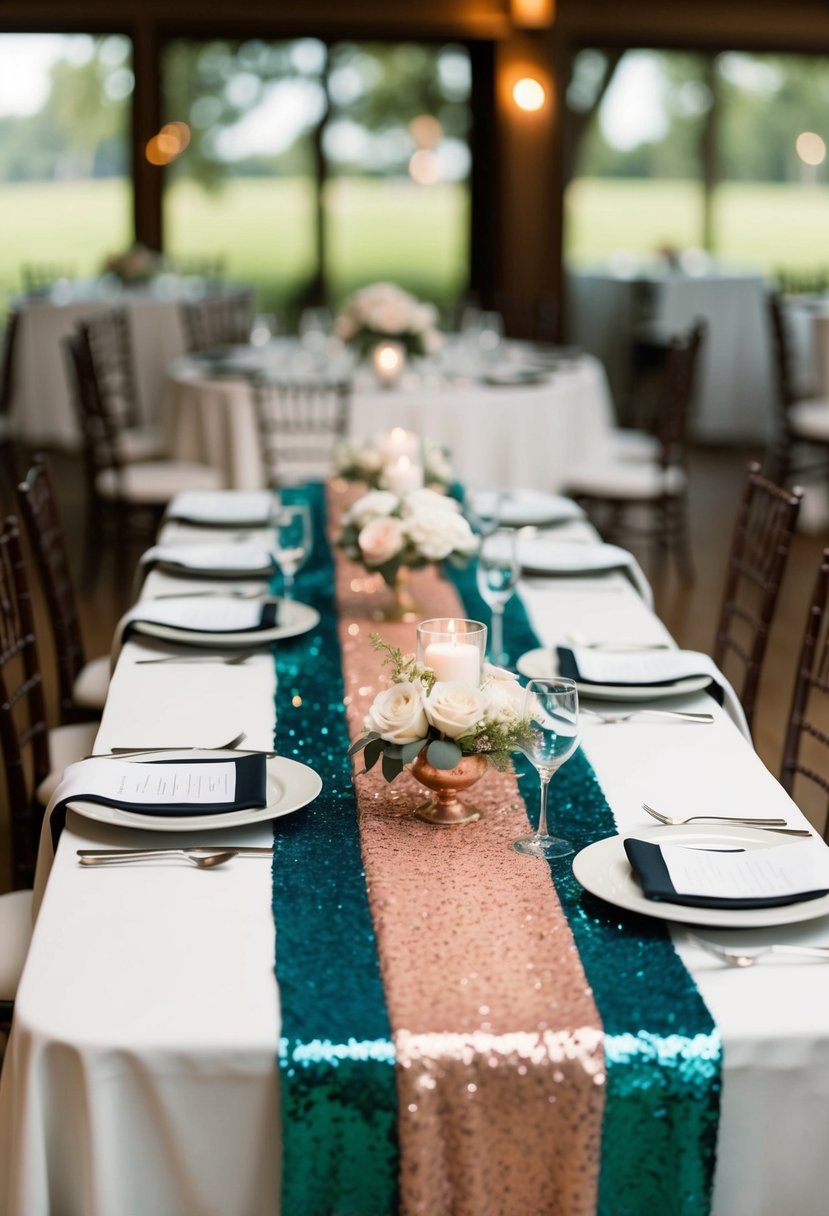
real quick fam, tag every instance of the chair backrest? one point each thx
(7, 363)
(108, 336)
(806, 749)
(676, 388)
(224, 319)
(98, 429)
(39, 508)
(760, 547)
(300, 425)
(23, 729)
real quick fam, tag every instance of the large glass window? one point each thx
(65, 194)
(309, 170)
(674, 152)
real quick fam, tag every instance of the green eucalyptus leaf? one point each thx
(361, 743)
(409, 751)
(372, 753)
(443, 753)
(392, 766)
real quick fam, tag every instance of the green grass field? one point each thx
(394, 230)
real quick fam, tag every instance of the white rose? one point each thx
(381, 540)
(419, 500)
(397, 714)
(374, 505)
(504, 695)
(371, 461)
(437, 533)
(454, 708)
(438, 467)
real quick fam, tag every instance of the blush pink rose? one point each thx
(381, 540)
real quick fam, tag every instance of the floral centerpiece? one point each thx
(383, 311)
(369, 463)
(387, 532)
(443, 725)
(137, 264)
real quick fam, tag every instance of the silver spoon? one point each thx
(772, 825)
(738, 958)
(202, 861)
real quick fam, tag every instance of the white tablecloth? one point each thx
(42, 409)
(530, 436)
(735, 394)
(141, 1077)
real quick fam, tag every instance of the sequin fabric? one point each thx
(498, 1042)
(662, 1049)
(336, 1057)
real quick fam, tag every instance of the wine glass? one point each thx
(482, 508)
(498, 572)
(292, 537)
(553, 709)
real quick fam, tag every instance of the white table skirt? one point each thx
(42, 408)
(734, 399)
(527, 437)
(141, 1070)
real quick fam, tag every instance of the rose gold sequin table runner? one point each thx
(498, 1040)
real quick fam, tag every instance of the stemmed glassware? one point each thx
(292, 542)
(498, 572)
(482, 508)
(553, 707)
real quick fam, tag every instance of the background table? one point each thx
(141, 1070)
(735, 393)
(529, 437)
(42, 409)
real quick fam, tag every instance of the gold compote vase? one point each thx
(402, 605)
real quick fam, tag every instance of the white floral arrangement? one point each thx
(367, 462)
(385, 531)
(449, 718)
(135, 265)
(384, 310)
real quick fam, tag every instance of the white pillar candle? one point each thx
(399, 442)
(403, 475)
(455, 660)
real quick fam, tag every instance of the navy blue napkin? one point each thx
(251, 792)
(648, 865)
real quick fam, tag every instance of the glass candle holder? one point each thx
(454, 648)
(387, 360)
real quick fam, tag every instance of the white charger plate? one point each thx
(523, 508)
(290, 786)
(604, 870)
(541, 664)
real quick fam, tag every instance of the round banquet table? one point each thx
(528, 436)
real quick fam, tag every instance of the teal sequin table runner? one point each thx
(336, 1060)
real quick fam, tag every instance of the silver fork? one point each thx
(774, 825)
(740, 958)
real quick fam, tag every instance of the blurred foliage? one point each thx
(764, 102)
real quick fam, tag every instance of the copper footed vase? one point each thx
(446, 808)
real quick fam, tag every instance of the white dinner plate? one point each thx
(522, 508)
(604, 870)
(542, 663)
(223, 508)
(509, 375)
(295, 619)
(543, 555)
(290, 786)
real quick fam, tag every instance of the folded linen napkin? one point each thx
(730, 878)
(165, 786)
(634, 668)
(243, 558)
(223, 508)
(213, 614)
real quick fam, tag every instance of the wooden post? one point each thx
(148, 180)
